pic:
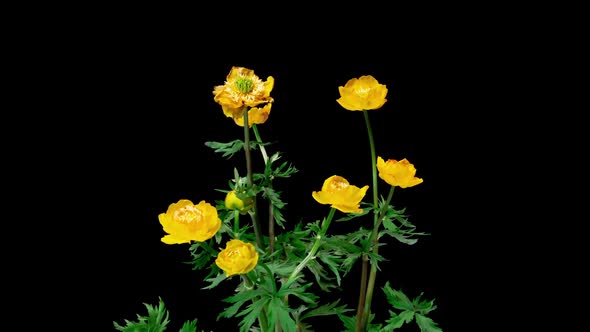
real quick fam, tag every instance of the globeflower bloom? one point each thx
(238, 257)
(185, 222)
(340, 194)
(398, 173)
(256, 115)
(242, 89)
(361, 94)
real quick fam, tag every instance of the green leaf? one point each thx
(394, 322)
(251, 313)
(426, 324)
(156, 321)
(322, 277)
(238, 301)
(299, 292)
(228, 149)
(279, 314)
(326, 310)
(215, 280)
(333, 263)
(189, 326)
(397, 299)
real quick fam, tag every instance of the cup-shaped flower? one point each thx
(256, 115)
(233, 202)
(361, 94)
(185, 222)
(242, 89)
(238, 257)
(340, 194)
(398, 173)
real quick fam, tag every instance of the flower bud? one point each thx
(233, 202)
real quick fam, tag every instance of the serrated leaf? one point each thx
(279, 314)
(251, 313)
(215, 280)
(326, 310)
(227, 149)
(189, 326)
(426, 324)
(394, 322)
(156, 321)
(397, 299)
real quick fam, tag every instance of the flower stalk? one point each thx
(366, 288)
(316, 245)
(271, 218)
(254, 212)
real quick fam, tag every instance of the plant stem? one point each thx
(316, 245)
(373, 164)
(254, 214)
(236, 222)
(271, 217)
(365, 302)
(259, 140)
(373, 273)
(360, 309)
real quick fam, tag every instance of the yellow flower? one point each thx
(242, 89)
(341, 195)
(361, 94)
(233, 202)
(185, 222)
(398, 173)
(255, 115)
(238, 257)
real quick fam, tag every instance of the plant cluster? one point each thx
(279, 275)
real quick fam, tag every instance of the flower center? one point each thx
(363, 92)
(337, 186)
(244, 85)
(234, 254)
(188, 214)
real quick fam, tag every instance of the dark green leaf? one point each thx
(156, 321)
(426, 324)
(397, 298)
(228, 149)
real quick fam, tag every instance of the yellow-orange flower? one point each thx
(256, 115)
(398, 173)
(233, 202)
(341, 195)
(185, 222)
(238, 257)
(242, 89)
(361, 94)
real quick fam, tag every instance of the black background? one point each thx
(139, 108)
(110, 107)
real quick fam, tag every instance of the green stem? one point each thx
(365, 303)
(271, 217)
(373, 273)
(373, 164)
(363, 292)
(236, 222)
(314, 249)
(259, 140)
(254, 214)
